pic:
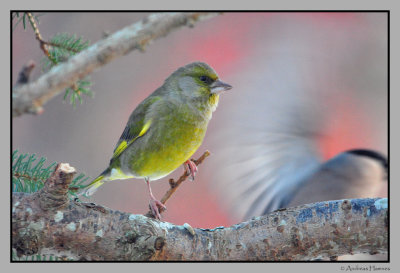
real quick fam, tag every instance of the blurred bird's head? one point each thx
(196, 82)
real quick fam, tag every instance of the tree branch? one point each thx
(30, 98)
(37, 34)
(175, 184)
(48, 223)
(25, 73)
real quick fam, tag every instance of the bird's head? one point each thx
(198, 82)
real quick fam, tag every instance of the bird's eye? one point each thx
(206, 79)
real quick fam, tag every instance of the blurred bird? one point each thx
(165, 129)
(308, 94)
(351, 174)
(277, 163)
(271, 142)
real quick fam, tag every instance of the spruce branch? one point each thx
(62, 47)
(29, 98)
(76, 90)
(26, 176)
(38, 36)
(29, 175)
(21, 17)
(59, 49)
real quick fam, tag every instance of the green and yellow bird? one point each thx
(165, 129)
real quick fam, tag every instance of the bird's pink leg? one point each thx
(154, 203)
(190, 168)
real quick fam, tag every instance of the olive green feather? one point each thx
(167, 127)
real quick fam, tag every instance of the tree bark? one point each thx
(29, 98)
(48, 222)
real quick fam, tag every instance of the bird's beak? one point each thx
(217, 87)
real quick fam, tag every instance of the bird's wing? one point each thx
(136, 127)
(262, 172)
(269, 141)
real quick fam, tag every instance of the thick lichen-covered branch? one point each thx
(47, 223)
(29, 98)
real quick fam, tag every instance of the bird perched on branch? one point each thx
(165, 129)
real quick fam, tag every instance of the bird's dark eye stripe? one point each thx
(206, 79)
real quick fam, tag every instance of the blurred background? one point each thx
(320, 76)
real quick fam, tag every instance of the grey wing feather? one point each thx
(268, 143)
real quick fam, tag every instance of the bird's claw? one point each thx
(155, 207)
(191, 169)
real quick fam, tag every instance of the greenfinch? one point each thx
(165, 129)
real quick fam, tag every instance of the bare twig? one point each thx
(25, 73)
(175, 184)
(43, 46)
(30, 98)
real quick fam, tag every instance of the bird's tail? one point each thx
(92, 187)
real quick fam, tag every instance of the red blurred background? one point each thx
(337, 60)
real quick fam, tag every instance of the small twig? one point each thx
(25, 72)
(61, 46)
(75, 88)
(175, 184)
(19, 175)
(43, 44)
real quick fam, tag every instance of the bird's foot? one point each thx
(155, 207)
(191, 169)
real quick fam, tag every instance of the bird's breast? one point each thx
(172, 139)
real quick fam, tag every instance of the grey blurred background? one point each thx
(321, 74)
